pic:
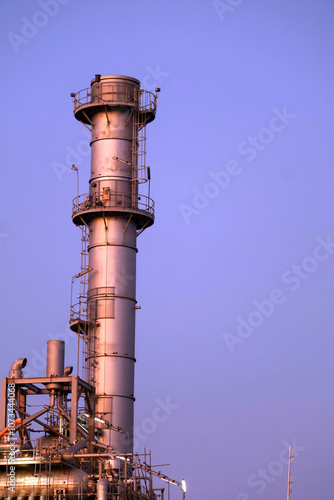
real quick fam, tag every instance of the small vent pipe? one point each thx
(16, 368)
(55, 358)
(55, 361)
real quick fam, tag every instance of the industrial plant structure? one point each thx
(79, 443)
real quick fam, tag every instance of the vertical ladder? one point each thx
(83, 301)
(139, 174)
(85, 325)
(84, 265)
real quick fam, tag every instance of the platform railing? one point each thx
(107, 93)
(112, 200)
(147, 101)
(79, 310)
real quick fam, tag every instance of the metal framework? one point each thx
(76, 443)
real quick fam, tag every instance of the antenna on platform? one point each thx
(289, 472)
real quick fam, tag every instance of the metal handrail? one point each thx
(79, 310)
(117, 200)
(147, 101)
(117, 93)
(81, 97)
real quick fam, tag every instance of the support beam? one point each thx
(74, 409)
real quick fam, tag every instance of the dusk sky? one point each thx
(235, 336)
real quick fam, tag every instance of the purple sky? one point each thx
(236, 277)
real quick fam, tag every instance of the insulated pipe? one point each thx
(16, 368)
(61, 410)
(52, 398)
(69, 453)
(144, 467)
(6, 429)
(18, 446)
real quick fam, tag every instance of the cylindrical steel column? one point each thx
(55, 358)
(114, 213)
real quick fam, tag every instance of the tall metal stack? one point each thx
(80, 444)
(113, 212)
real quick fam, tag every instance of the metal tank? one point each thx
(113, 213)
(29, 481)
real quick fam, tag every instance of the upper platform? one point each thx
(88, 206)
(114, 91)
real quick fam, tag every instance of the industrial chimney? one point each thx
(111, 215)
(79, 446)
